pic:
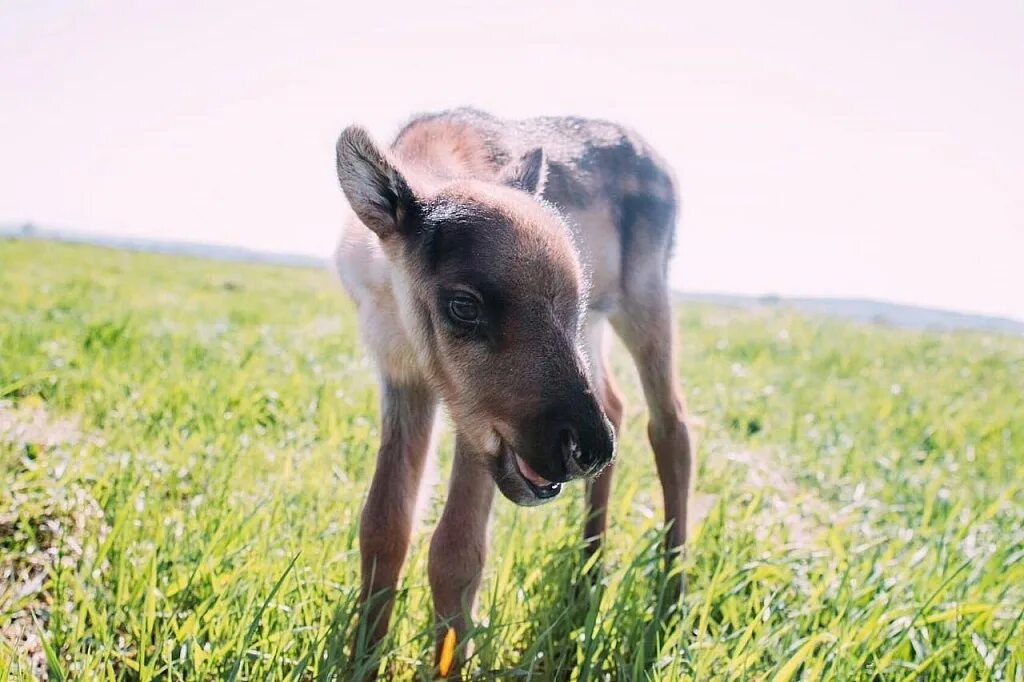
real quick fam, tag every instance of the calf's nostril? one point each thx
(571, 449)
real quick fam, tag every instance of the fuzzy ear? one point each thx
(375, 188)
(528, 173)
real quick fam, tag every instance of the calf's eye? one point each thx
(464, 309)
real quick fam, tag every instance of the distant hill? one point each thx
(862, 310)
(865, 310)
(196, 249)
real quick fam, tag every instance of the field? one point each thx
(184, 447)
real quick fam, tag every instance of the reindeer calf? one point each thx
(487, 258)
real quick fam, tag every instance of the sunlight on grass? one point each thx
(185, 445)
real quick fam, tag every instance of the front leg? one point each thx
(386, 524)
(458, 548)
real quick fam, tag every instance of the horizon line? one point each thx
(229, 252)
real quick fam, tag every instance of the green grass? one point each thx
(188, 444)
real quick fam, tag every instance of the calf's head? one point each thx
(491, 294)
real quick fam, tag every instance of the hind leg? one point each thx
(644, 323)
(599, 489)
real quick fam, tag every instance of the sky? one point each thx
(868, 149)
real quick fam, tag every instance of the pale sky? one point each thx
(869, 149)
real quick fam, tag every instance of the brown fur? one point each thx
(544, 232)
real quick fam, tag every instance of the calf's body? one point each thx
(488, 260)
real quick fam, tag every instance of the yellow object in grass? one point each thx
(444, 663)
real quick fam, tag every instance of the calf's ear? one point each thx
(528, 173)
(373, 185)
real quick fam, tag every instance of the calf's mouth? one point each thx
(518, 481)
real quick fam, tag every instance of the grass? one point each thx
(184, 448)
